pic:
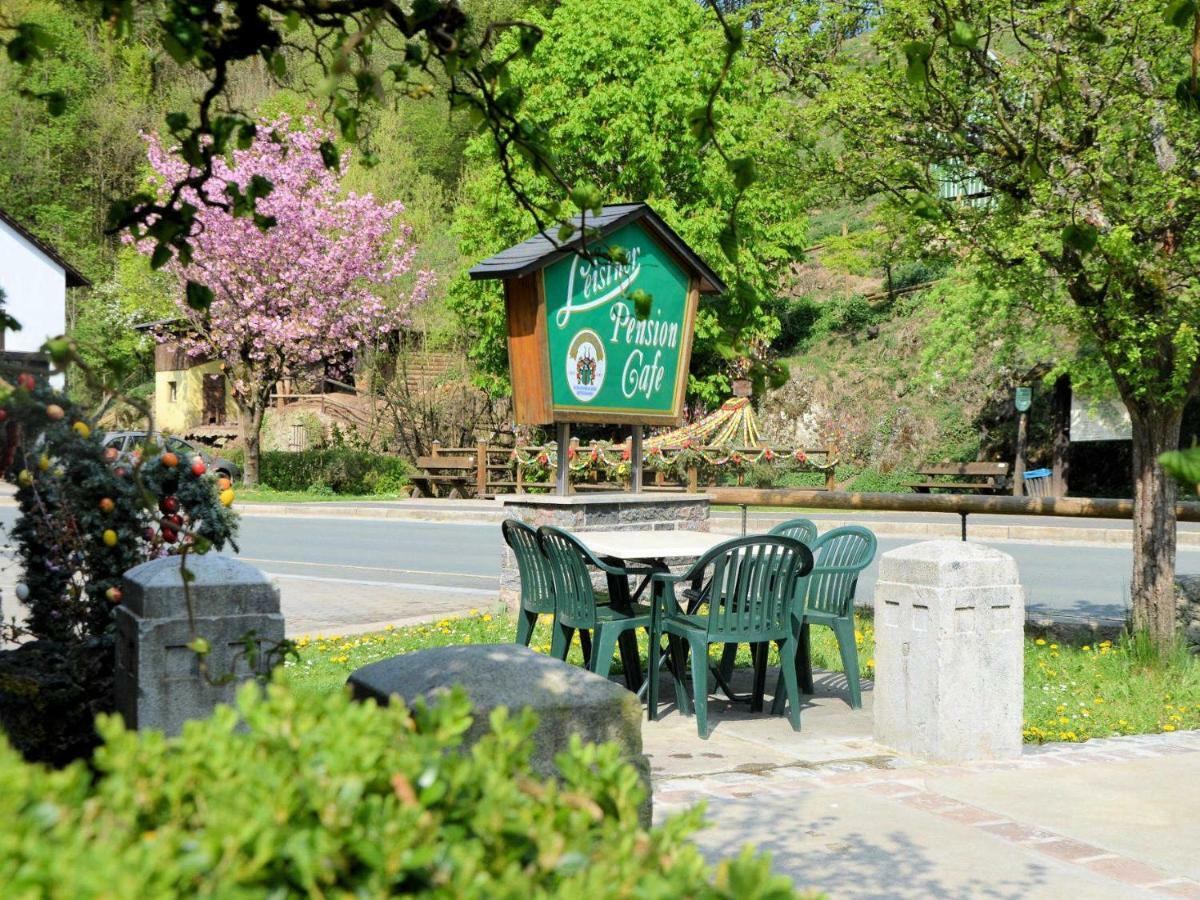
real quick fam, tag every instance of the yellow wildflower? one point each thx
(1040, 642)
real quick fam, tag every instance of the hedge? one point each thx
(337, 470)
(329, 798)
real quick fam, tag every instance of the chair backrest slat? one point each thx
(574, 595)
(839, 555)
(803, 530)
(537, 584)
(751, 587)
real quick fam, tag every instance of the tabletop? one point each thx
(634, 544)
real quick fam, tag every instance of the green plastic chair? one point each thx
(803, 530)
(750, 598)
(576, 608)
(537, 586)
(840, 556)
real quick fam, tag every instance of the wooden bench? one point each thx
(457, 472)
(991, 477)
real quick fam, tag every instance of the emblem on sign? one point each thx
(585, 365)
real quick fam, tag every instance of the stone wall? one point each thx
(1187, 609)
(599, 512)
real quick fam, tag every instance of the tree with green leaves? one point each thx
(613, 87)
(1056, 143)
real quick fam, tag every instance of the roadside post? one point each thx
(600, 332)
(1023, 399)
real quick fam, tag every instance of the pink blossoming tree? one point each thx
(299, 292)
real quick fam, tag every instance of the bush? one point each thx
(339, 470)
(896, 481)
(326, 797)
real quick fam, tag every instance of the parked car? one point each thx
(126, 444)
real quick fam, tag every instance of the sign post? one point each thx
(1022, 399)
(582, 344)
(635, 460)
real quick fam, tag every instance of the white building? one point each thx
(34, 279)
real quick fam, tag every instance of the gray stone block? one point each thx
(1187, 610)
(949, 652)
(159, 681)
(567, 700)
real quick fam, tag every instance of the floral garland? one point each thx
(613, 459)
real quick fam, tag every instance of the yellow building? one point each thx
(189, 392)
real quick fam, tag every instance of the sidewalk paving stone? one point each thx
(1112, 817)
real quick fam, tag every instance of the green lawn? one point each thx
(261, 494)
(1072, 693)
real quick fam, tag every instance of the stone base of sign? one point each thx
(949, 652)
(1187, 610)
(598, 512)
(568, 700)
(159, 681)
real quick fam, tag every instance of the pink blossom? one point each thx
(305, 290)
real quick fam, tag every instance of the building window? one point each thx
(172, 391)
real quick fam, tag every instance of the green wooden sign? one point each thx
(606, 365)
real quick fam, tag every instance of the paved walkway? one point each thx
(839, 813)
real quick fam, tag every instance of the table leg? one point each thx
(618, 592)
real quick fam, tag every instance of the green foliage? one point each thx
(59, 172)
(337, 470)
(895, 481)
(1184, 465)
(327, 797)
(1081, 185)
(612, 84)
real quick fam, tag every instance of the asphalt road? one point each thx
(1068, 581)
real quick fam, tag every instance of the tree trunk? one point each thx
(1061, 438)
(1155, 431)
(250, 417)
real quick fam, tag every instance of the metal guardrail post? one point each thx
(745, 508)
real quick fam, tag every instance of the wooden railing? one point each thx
(962, 505)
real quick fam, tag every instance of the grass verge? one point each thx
(1072, 693)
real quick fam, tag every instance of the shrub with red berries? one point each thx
(86, 517)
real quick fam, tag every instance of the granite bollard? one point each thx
(159, 683)
(567, 700)
(949, 646)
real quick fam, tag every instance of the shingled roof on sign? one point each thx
(543, 249)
